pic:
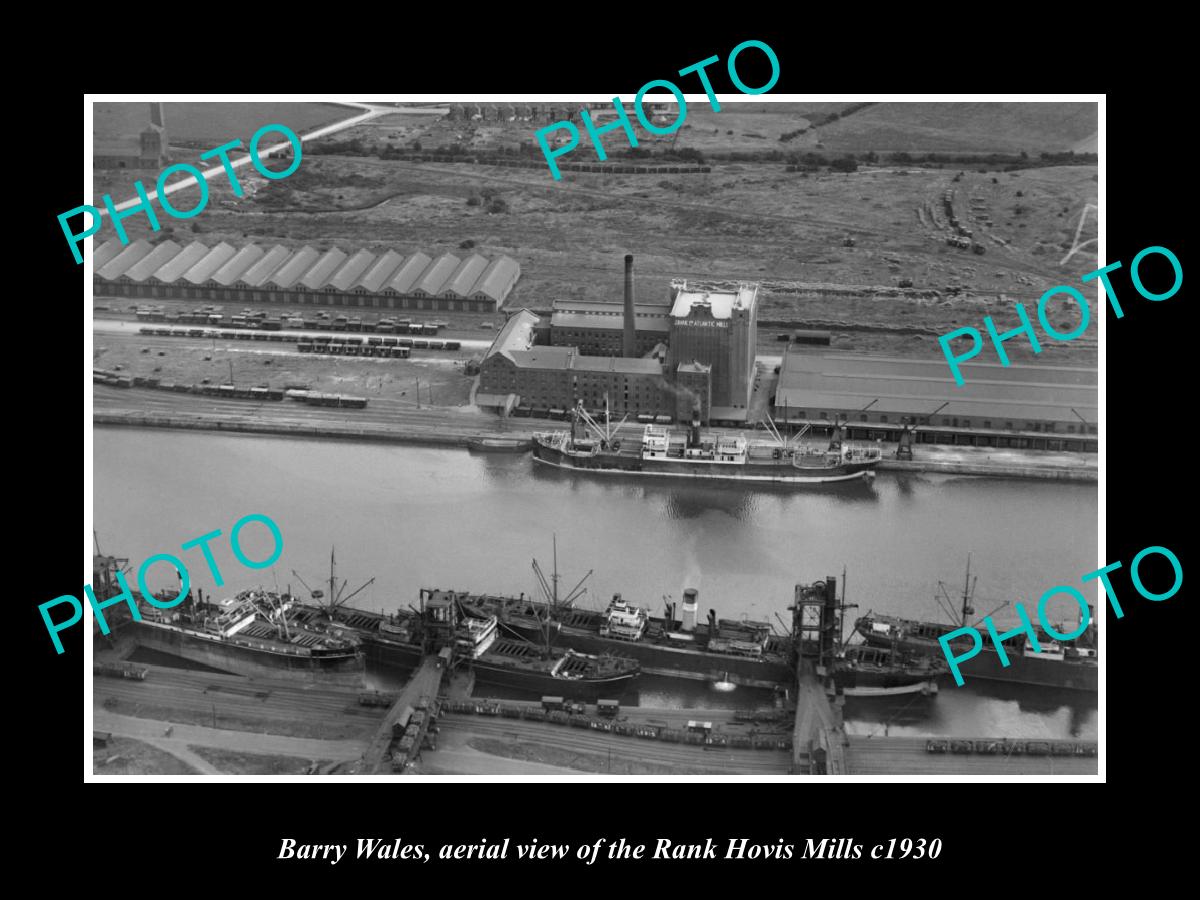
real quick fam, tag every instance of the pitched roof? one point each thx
(267, 264)
(409, 273)
(180, 263)
(381, 271)
(104, 252)
(153, 261)
(289, 273)
(238, 264)
(498, 278)
(209, 264)
(516, 334)
(438, 274)
(123, 261)
(322, 270)
(352, 270)
(609, 323)
(465, 276)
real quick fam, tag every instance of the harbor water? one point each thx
(414, 517)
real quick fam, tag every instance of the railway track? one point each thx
(601, 743)
(231, 696)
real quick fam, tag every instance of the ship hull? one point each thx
(391, 653)
(675, 662)
(498, 674)
(345, 669)
(768, 472)
(1027, 669)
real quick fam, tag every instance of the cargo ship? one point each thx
(1070, 665)
(447, 619)
(250, 634)
(591, 447)
(519, 663)
(676, 644)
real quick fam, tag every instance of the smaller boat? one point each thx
(865, 671)
(499, 445)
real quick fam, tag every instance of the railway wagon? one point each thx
(316, 398)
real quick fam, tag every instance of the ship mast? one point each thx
(336, 599)
(968, 591)
(549, 588)
(606, 432)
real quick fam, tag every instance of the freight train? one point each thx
(311, 343)
(259, 321)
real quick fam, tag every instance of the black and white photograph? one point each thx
(515, 437)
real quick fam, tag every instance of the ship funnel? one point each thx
(629, 342)
(694, 431)
(690, 603)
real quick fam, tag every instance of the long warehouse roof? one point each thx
(281, 267)
(838, 381)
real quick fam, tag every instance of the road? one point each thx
(152, 731)
(383, 418)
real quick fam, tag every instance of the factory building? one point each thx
(558, 377)
(597, 329)
(334, 277)
(147, 150)
(1032, 407)
(719, 330)
(629, 329)
(598, 350)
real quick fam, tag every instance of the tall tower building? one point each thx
(718, 329)
(152, 142)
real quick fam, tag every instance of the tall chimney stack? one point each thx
(629, 344)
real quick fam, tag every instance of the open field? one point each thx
(193, 128)
(129, 756)
(240, 763)
(965, 127)
(213, 123)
